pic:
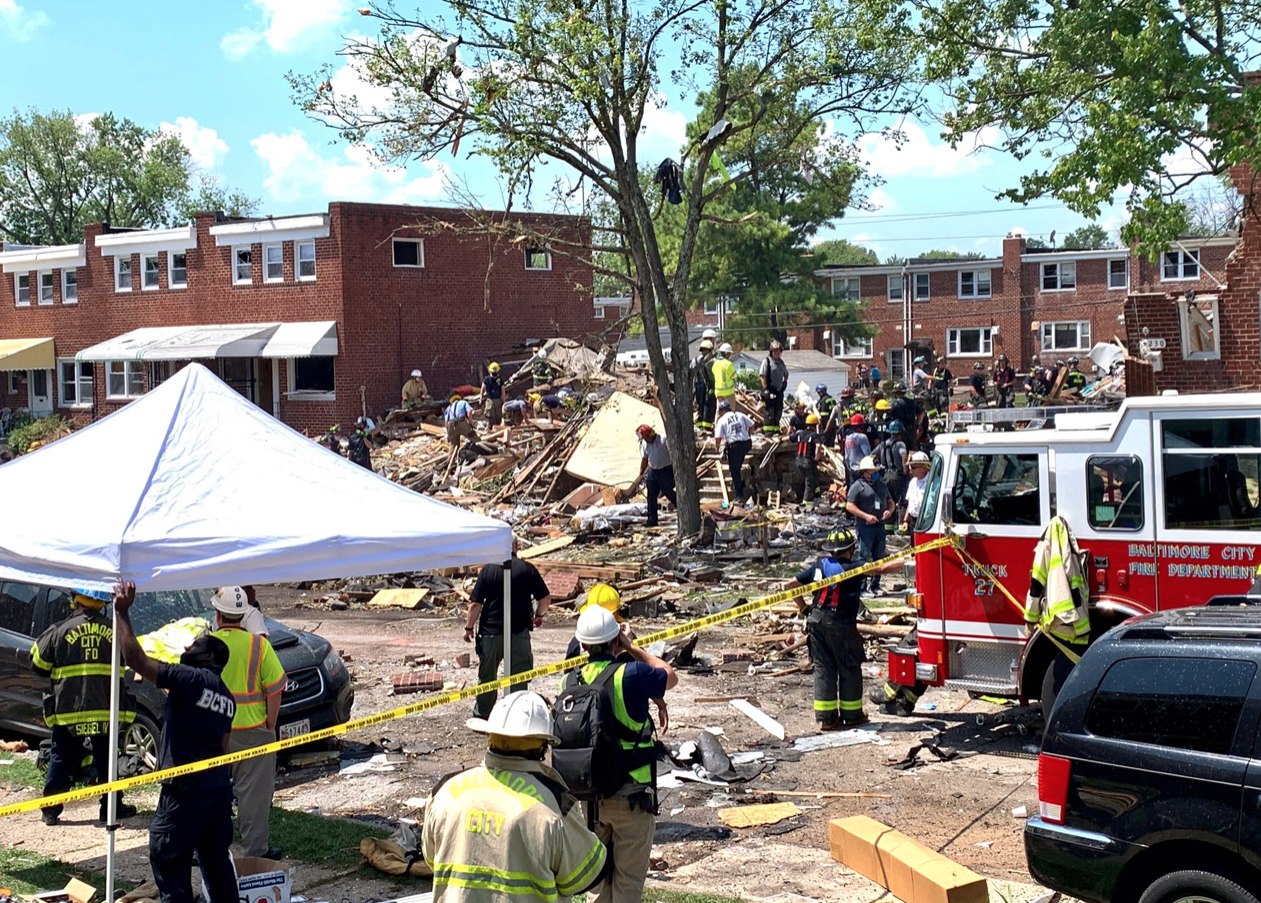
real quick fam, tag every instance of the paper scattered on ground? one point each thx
(378, 763)
(840, 738)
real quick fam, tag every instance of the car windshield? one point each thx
(153, 611)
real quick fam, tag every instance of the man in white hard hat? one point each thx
(871, 504)
(414, 390)
(724, 373)
(626, 819)
(916, 488)
(256, 679)
(509, 829)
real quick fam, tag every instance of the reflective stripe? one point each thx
(38, 660)
(586, 871)
(851, 705)
(81, 671)
(826, 705)
(93, 715)
(485, 878)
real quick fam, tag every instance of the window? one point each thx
(1211, 471)
(56, 608)
(17, 607)
(45, 288)
(1068, 335)
(22, 289)
(125, 379)
(273, 263)
(152, 267)
(69, 286)
(312, 378)
(242, 266)
(1119, 273)
(711, 307)
(928, 507)
(177, 276)
(860, 347)
(997, 489)
(1180, 265)
(122, 274)
(1059, 277)
(304, 257)
(159, 372)
(598, 314)
(897, 287)
(1186, 703)
(969, 342)
(1114, 492)
(409, 252)
(921, 286)
(15, 381)
(974, 284)
(847, 289)
(75, 383)
(1198, 319)
(537, 259)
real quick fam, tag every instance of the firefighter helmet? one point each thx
(839, 540)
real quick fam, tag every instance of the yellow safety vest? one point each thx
(724, 378)
(645, 744)
(253, 674)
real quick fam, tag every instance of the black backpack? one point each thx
(588, 753)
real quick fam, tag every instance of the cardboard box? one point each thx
(75, 892)
(263, 880)
(944, 881)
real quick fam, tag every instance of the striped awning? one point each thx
(191, 343)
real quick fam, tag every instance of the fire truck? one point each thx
(1161, 494)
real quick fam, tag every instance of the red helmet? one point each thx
(847, 392)
(644, 431)
(857, 420)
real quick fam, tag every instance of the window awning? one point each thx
(27, 354)
(189, 343)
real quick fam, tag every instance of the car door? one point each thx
(1250, 806)
(21, 690)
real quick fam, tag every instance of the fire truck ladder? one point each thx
(1032, 418)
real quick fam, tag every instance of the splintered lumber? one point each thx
(764, 638)
(757, 814)
(597, 571)
(806, 794)
(721, 698)
(722, 481)
(544, 548)
(763, 720)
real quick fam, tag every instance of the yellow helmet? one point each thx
(493, 368)
(812, 418)
(882, 405)
(534, 396)
(605, 597)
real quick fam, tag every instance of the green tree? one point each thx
(529, 83)
(952, 255)
(1104, 97)
(211, 195)
(1037, 244)
(1088, 238)
(841, 252)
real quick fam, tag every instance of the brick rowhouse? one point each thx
(396, 294)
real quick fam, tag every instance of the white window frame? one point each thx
(1184, 326)
(1060, 267)
(955, 333)
(978, 276)
(598, 312)
(928, 284)
(68, 297)
(420, 253)
(547, 255)
(17, 289)
(895, 280)
(236, 265)
(119, 260)
(79, 383)
(267, 264)
(144, 272)
(1184, 258)
(40, 283)
(131, 369)
(1125, 273)
(171, 268)
(1047, 336)
(306, 395)
(712, 307)
(842, 285)
(298, 260)
(856, 349)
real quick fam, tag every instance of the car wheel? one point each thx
(140, 740)
(1194, 886)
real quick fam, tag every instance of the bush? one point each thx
(749, 380)
(29, 433)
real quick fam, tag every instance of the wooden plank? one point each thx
(597, 571)
(544, 548)
(763, 638)
(763, 720)
(757, 814)
(398, 598)
(806, 794)
(721, 698)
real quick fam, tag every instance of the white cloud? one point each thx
(863, 239)
(284, 24)
(298, 172)
(878, 201)
(203, 143)
(919, 155)
(663, 130)
(18, 22)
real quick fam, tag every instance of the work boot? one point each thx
(274, 853)
(125, 810)
(831, 726)
(853, 722)
(49, 817)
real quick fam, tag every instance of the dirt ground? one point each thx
(963, 808)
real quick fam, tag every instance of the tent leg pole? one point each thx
(111, 811)
(508, 625)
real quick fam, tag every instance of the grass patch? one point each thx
(27, 872)
(325, 841)
(674, 896)
(22, 773)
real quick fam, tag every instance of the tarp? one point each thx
(26, 354)
(609, 453)
(194, 486)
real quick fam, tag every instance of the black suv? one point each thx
(317, 694)
(1149, 781)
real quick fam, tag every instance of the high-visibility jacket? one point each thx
(253, 674)
(76, 655)
(724, 377)
(640, 752)
(508, 830)
(1059, 596)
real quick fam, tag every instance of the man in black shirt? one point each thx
(1005, 382)
(808, 456)
(905, 411)
(486, 619)
(976, 385)
(194, 811)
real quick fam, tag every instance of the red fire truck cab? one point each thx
(1162, 496)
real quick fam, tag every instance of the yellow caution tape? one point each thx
(442, 699)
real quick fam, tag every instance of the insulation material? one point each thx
(609, 453)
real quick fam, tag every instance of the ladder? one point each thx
(1032, 418)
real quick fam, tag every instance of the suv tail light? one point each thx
(1053, 777)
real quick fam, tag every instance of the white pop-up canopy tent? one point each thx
(194, 486)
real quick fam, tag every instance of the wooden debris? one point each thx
(544, 548)
(824, 795)
(398, 598)
(757, 814)
(765, 721)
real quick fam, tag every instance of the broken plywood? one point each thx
(398, 598)
(758, 814)
(544, 548)
(609, 453)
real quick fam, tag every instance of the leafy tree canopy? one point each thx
(841, 252)
(952, 255)
(1089, 238)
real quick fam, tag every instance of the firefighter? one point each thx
(836, 647)
(76, 654)
(942, 383)
(492, 395)
(1074, 381)
(540, 369)
(825, 406)
(414, 390)
(774, 376)
(508, 829)
(891, 454)
(976, 386)
(808, 456)
(724, 373)
(703, 385)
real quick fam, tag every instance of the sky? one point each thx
(214, 73)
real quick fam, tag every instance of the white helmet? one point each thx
(231, 600)
(417, 374)
(920, 458)
(709, 334)
(523, 714)
(866, 464)
(595, 626)
(724, 348)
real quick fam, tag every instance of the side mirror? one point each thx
(947, 507)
